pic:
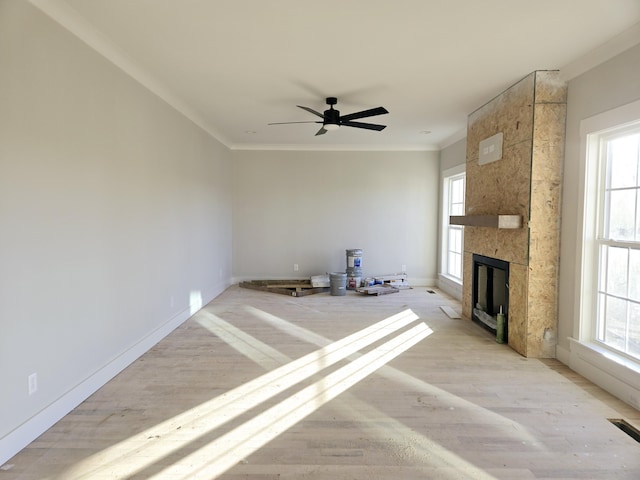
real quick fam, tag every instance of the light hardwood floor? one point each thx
(261, 386)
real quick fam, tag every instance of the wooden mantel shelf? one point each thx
(491, 221)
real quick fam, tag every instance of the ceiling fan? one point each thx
(331, 119)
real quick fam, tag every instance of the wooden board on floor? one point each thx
(293, 288)
(378, 290)
(451, 313)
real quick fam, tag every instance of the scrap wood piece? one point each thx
(320, 280)
(293, 288)
(393, 276)
(450, 312)
(398, 280)
(383, 289)
(290, 285)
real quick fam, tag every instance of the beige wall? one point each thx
(610, 85)
(309, 207)
(607, 86)
(115, 216)
(453, 160)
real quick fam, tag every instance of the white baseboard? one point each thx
(564, 355)
(422, 282)
(412, 281)
(22, 436)
(617, 376)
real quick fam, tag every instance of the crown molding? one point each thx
(615, 46)
(336, 148)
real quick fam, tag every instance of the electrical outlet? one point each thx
(295, 267)
(33, 383)
(404, 268)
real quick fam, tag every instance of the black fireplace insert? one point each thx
(490, 292)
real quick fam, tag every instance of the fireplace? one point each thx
(526, 182)
(490, 292)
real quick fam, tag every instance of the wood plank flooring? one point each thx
(261, 386)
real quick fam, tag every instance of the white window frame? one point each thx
(617, 373)
(604, 240)
(447, 177)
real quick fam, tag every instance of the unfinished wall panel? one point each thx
(525, 181)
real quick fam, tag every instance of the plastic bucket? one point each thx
(338, 283)
(354, 258)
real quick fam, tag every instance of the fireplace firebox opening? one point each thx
(490, 290)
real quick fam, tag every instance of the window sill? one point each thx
(451, 279)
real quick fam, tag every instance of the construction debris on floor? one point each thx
(294, 288)
(450, 312)
(378, 285)
(397, 280)
(378, 289)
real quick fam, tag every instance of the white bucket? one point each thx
(338, 283)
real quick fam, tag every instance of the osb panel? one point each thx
(548, 142)
(549, 87)
(526, 181)
(509, 245)
(501, 187)
(548, 151)
(467, 280)
(518, 308)
(542, 310)
(510, 113)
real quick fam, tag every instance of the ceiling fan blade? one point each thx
(289, 123)
(322, 131)
(368, 126)
(365, 113)
(311, 110)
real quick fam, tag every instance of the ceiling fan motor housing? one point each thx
(332, 116)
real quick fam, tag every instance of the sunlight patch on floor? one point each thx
(150, 446)
(226, 451)
(455, 402)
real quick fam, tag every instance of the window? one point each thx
(452, 241)
(604, 346)
(617, 318)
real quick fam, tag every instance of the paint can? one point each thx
(368, 282)
(338, 283)
(353, 281)
(354, 259)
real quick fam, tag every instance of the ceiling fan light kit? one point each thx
(331, 119)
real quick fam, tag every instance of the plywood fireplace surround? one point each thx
(524, 182)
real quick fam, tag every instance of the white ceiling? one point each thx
(234, 66)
